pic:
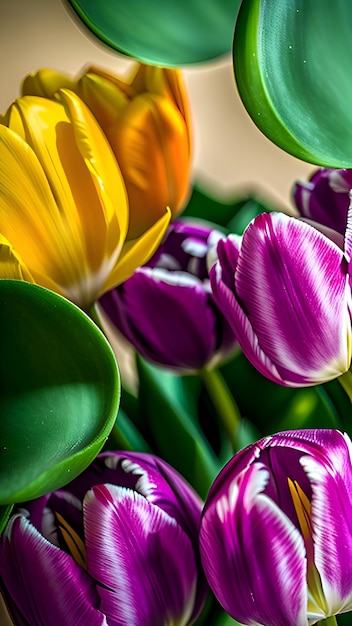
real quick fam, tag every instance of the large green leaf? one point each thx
(59, 391)
(170, 33)
(292, 61)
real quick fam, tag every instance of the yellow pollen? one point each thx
(316, 599)
(302, 507)
(73, 541)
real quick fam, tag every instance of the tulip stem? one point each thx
(328, 621)
(224, 403)
(346, 383)
(94, 316)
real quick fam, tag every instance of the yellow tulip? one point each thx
(63, 203)
(146, 120)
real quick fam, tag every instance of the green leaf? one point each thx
(292, 61)
(5, 512)
(250, 208)
(125, 436)
(334, 396)
(206, 207)
(226, 215)
(177, 436)
(270, 407)
(59, 391)
(172, 33)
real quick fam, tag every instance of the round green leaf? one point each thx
(171, 34)
(60, 391)
(292, 61)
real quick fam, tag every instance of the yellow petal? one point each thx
(105, 175)
(30, 218)
(150, 141)
(11, 264)
(45, 83)
(180, 98)
(86, 183)
(104, 98)
(125, 86)
(168, 83)
(138, 251)
(39, 231)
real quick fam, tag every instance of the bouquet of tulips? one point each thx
(210, 482)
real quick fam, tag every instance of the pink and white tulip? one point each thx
(284, 288)
(276, 532)
(118, 546)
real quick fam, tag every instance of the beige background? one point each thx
(230, 154)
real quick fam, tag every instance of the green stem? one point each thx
(346, 383)
(223, 402)
(93, 314)
(5, 512)
(328, 621)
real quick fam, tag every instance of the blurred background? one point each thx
(231, 157)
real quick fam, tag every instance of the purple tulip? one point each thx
(325, 198)
(166, 309)
(284, 289)
(276, 532)
(118, 546)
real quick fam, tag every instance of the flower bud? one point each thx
(275, 539)
(118, 545)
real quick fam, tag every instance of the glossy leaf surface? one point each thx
(292, 61)
(171, 34)
(59, 391)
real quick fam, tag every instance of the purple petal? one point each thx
(164, 487)
(142, 560)
(281, 454)
(170, 323)
(185, 247)
(253, 556)
(332, 531)
(291, 285)
(228, 252)
(348, 237)
(328, 446)
(324, 198)
(240, 324)
(44, 583)
(151, 477)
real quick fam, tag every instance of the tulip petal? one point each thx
(30, 216)
(45, 83)
(150, 309)
(292, 301)
(245, 522)
(103, 168)
(332, 530)
(164, 82)
(162, 485)
(239, 322)
(142, 561)
(228, 252)
(150, 141)
(77, 195)
(137, 252)
(324, 198)
(45, 583)
(348, 235)
(11, 264)
(103, 94)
